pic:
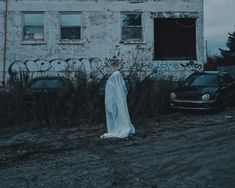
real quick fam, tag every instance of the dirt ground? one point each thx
(176, 150)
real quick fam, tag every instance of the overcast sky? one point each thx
(219, 20)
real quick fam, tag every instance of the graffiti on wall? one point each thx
(42, 67)
(191, 65)
(65, 67)
(174, 66)
(95, 67)
(177, 70)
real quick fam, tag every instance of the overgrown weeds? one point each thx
(151, 97)
(86, 106)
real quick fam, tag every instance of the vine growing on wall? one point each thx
(133, 62)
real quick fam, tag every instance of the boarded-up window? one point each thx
(175, 39)
(33, 26)
(131, 26)
(71, 26)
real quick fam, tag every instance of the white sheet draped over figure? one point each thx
(117, 115)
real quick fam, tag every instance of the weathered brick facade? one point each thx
(101, 31)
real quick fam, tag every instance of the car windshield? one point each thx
(50, 83)
(202, 80)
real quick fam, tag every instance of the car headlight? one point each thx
(172, 95)
(206, 97)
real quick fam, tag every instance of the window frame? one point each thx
(131, 40)
(70, 41)
(39, 41)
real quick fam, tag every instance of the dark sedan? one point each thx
(204, 91)
(48, 88)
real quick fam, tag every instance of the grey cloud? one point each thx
(219, 21)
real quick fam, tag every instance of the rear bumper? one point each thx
(193, 104)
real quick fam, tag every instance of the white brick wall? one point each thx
(101, 29)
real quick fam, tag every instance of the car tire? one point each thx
(219, 104)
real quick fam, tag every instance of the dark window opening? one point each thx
(70, 33)
(175, 39)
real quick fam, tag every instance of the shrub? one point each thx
(150, 97)
(86, 105)
(12, 105)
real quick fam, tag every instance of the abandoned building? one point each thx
(59, 35)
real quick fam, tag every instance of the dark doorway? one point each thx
(175, 39)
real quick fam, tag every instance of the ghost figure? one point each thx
(117, 115)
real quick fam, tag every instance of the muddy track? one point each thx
(198, 157)
(190, 151)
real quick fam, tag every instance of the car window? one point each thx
(38, 84)
(204, 80)
(225, 79)
(54, 83)
(46, 83)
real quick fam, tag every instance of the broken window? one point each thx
(175, 39)
(71, 26)
(131, 26)
(33, 26)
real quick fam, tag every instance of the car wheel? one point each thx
(219, 104)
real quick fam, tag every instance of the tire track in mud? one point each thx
(122, 175)
(183, 156)
(168, 157)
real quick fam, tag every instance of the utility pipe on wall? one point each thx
(5, 42)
